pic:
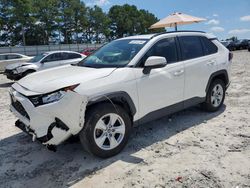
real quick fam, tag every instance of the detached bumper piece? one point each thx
(58, 123)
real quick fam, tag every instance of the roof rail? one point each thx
(166, 32)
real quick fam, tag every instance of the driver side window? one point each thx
(165, 48)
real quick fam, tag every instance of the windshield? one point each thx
(37, 58)
(114, 54)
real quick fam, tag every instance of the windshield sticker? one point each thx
(137, 42)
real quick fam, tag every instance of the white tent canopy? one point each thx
(176, 19)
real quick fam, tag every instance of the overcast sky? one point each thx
(225, 18)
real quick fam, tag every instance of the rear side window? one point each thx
(165, 48)
(53, 57)
(208, 46)
(13, 57)
(191, 47)
(74, 56)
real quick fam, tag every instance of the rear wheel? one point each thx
(106, 130)
(215, 96)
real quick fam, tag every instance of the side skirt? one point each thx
(169, 110)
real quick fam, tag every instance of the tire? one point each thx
(96, 136)
(215, 96)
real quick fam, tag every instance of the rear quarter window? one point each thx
(208, 46)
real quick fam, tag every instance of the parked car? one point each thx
(8, 58)
(43, 61)
(88, 51)
(230, 45)
(127, 82)
(249, 45)
(241, 44)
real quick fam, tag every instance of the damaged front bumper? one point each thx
(11, 75)
(51, 123)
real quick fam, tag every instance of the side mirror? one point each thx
(154, 62)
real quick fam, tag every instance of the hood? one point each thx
(15, 65)
(56, 78)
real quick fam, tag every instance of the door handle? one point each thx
(179, 72)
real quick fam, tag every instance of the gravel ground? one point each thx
(191, 148)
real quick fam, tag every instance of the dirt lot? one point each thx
(189, 149)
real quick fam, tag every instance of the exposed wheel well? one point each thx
(122, 101)
(221, 77)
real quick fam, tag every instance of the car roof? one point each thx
(14, 54)
(59, 51)
(150, 36)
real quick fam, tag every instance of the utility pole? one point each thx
(23, 34)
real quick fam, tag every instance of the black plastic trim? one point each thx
(169, 110)
(60, 124)
(167, 32)
(220, 72)
(120, 96)
(147, 69)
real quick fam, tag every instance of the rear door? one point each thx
(199, 63)
(71, 58)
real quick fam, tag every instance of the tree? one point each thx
(146, 20)
(6, 26)
(21, 11)
(72, 18)
(34, 22)
(128, 20)
(123, 19)
(46, 16)
(98, 24)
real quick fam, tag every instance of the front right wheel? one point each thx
(106, 131)
(215, 96)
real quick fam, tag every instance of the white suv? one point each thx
(42, 61)
(127, 82)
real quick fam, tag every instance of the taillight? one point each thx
(230, 56)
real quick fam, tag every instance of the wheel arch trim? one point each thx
(120, 96)
(215, 74)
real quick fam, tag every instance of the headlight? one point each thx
(14, 71)
(52, 97)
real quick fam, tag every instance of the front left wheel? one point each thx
(106, 131)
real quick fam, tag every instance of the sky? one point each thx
(225, 18)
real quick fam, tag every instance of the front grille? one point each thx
(19, 107)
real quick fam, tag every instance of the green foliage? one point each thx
(33, 22)
(98, 23)
(128, 20)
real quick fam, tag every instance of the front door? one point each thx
(161, 91)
